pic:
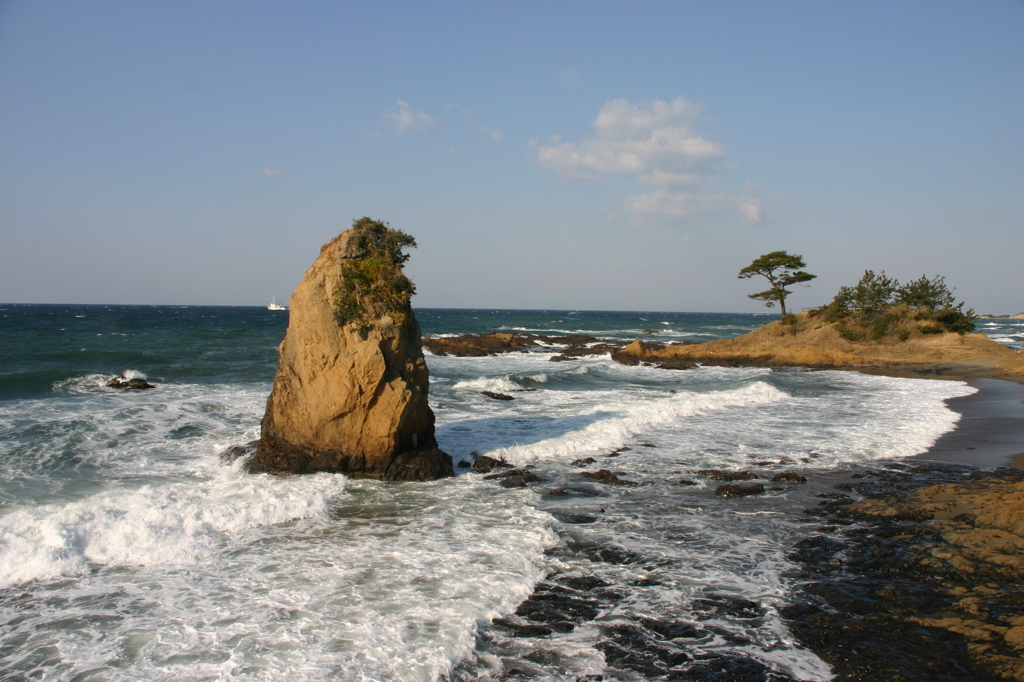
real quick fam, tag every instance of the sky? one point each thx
(630, 155)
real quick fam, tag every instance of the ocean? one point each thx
(129, 550)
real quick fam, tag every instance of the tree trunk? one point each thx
(782, 304)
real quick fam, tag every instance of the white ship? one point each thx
(274, 305)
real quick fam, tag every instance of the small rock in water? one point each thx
(558, 492)
(687, 481)
(464, 464)
(605, 476)
(718, 475)
(582, 462)
(648, 445)
(483, 464)
(516, 478)
(496, 396)
(134, 383)
(506, 474)
(789, 477)
(729, 490)
(234, 453)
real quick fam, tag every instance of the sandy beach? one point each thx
(990, 432)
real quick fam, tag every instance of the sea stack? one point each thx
(350, 394)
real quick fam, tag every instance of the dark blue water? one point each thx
(44, 344)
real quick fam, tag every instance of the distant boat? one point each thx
(274, 305)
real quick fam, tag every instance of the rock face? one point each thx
(350, 394)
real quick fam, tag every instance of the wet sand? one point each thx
(991, 428)
(990, 432)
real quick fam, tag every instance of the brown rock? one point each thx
(349, 398)
(729, 490)
(789, 477)
(132, 384)
(605, 476)
(496, 396)
(718, 475)
(484, 464)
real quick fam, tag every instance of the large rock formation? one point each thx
(350, 395)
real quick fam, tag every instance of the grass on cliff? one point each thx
(878, 308)
(373, 284)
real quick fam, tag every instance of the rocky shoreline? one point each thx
(921, 579)
(910, 570)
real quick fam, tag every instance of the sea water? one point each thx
(128, 550)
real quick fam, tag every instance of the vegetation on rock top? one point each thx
(879, 308)
(373, 284)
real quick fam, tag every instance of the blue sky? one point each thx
(591, 155)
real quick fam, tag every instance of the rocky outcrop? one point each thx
(350, 394)
(493, 343)
(135, 383)
(811, 342)
(942, 568)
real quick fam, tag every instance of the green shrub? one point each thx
(955, 320)
(880, 326)
(877, 304)
(373, 284)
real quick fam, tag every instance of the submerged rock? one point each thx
(718, 475)
(605, 476)
(789, 477)
(496, 396)
(134, 383)
(350, 395)
(730, 490)
(484, 464)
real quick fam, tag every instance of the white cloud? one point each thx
(682, 205)
(271, 172)
(750, 209)
(656, 143)
(636, 139)
(676, 204)
(686, 204)
(402, 119)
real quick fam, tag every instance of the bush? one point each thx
(955, 320)
(880, 327)
(851, 334)
(373, 284)
(876, 306)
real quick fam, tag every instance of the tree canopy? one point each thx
(878, 305)
(782, 270)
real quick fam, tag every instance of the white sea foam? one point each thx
(507, 382)
(612, 424)
(175, 523)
